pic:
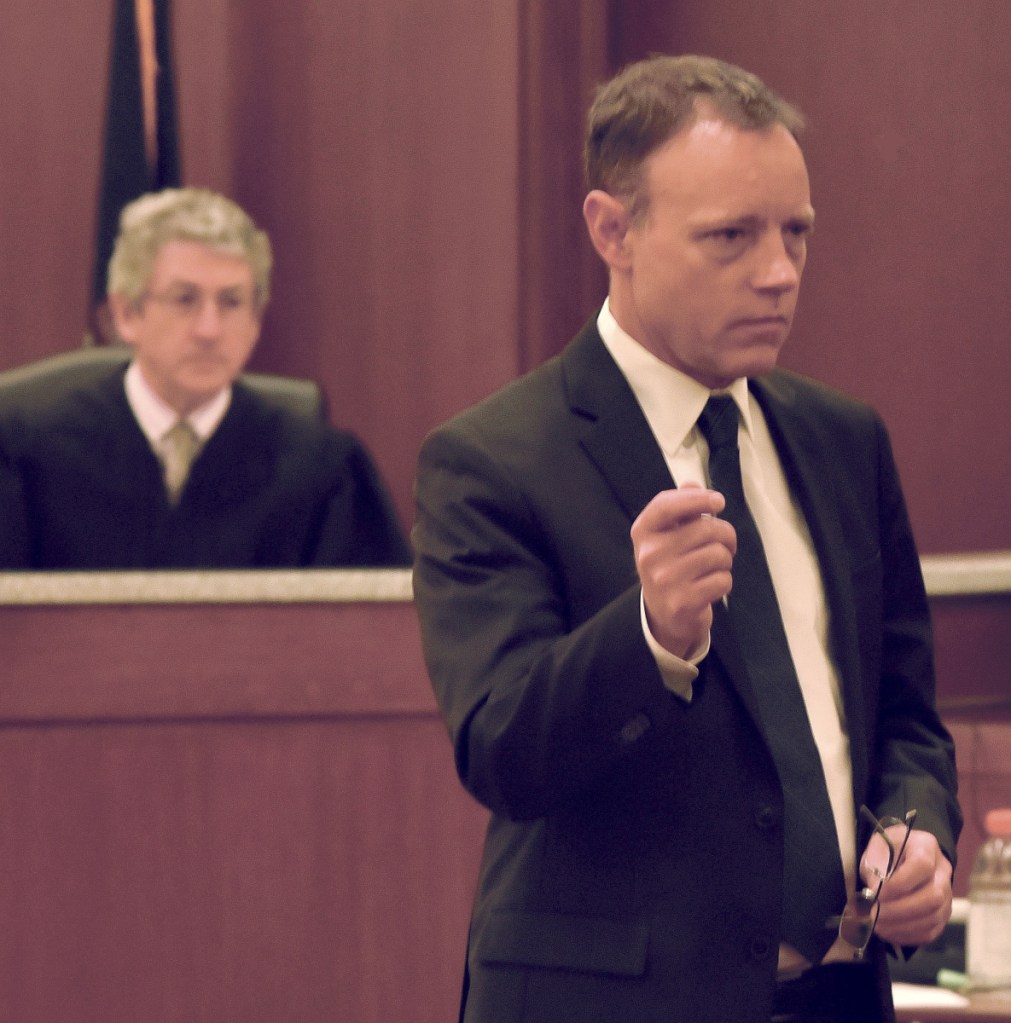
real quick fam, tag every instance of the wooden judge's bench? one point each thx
(229, 796)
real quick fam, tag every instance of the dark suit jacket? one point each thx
(633, 866)
(80, 488)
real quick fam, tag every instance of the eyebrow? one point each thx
(182, 284)
(749, 220)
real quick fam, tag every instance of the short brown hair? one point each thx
(652, 100)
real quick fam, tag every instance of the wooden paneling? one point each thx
(905, 299)
(249, 811)
(257, 819)
(52, 61)
(972, 641)
(562, 280)
(418, 168)
(378, 142)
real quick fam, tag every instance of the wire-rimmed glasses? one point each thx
(186, 303)
(860, 917)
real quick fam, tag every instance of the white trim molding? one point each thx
(252, 586)
(967, 575)
(946, 575)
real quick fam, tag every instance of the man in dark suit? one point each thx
(173, 462)
(674, 767)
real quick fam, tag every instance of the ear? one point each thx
(607, 220)
(124, 316)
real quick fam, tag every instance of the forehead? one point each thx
(716, 167)
(193, 263)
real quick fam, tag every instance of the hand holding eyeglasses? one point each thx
(907, 894)
(916, 901)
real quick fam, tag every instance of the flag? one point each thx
(141, 152)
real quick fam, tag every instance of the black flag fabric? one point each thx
(141, 152)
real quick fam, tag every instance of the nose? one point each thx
(779, 264)
(209, 318)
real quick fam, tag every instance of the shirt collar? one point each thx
(155, 417)
(671, 400)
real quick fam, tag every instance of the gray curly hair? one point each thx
(184, 214)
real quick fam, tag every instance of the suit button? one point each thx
(760, 949)
(766, 818)
(634, 729)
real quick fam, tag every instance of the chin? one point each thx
(720, 377)
(760, 360)
(197, 392)
(759, 369)
(206, 383)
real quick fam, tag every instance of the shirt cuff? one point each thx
(677, 673)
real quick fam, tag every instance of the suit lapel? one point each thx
(611, 426)
(617, 438)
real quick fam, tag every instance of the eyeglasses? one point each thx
(860, 917)
(186, 304)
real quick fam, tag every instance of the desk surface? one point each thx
(984, 1007)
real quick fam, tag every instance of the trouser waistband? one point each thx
(833, 993)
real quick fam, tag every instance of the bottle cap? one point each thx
(998, 822)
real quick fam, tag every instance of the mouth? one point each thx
(762, 329)
(205, 360)
(761, 321)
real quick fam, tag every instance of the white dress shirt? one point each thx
(672, 403)
(156, 418)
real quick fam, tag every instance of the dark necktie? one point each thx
(814, 889)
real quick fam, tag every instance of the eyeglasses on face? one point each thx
(860, 917)
(186, 303)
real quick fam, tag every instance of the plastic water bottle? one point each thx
(988, 932)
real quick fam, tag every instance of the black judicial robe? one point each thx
(80, 488)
